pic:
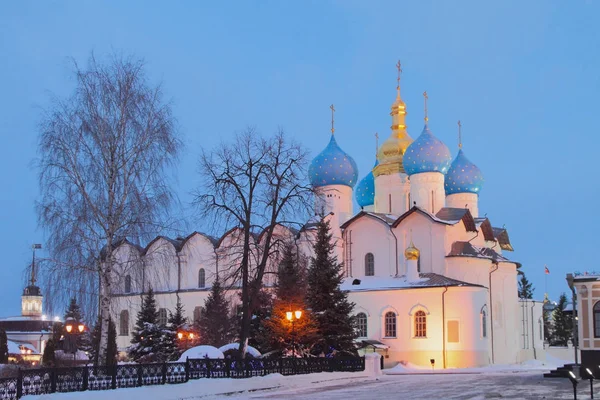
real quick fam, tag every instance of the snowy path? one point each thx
(525, 385)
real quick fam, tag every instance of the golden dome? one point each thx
(391, 151)
(411, 252)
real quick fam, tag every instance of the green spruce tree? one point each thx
(291, 337)
(177, 323)
(525, 288)
(562, 330)
(112, 351)
(215, 324)
(3, 347)
(328, 303)
(147, 336)
(49, 357)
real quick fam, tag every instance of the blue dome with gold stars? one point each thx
(426, 154)
(333, 166)
(365, 190)
(463, 176)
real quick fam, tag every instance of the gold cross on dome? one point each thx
(425, 98)
(332, 118)
(376, 142)
(399, 68)
(459, 135)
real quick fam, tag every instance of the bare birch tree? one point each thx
(104, 152)
(254, 184)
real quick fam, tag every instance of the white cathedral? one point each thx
(429, 275)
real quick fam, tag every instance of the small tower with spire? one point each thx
(31, 301)
(392, 187)
(426, 161)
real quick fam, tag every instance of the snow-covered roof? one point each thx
(14, 347)
(375, 283)
(466, 249)
(234, 346)
(201, 352)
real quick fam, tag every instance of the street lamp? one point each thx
(575, 382)
(591, 378)
(73, 329)
(292, 317)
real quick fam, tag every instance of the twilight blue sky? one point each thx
(522, 76)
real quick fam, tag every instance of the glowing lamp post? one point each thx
(591, 378)
(73, 328)
(292, 317)
(575, 382)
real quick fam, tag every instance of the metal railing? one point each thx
(76, 379)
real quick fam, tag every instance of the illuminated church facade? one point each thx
(430, 276)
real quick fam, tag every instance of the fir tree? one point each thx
(290, 295)
(525, 288)
(74, 312)
(112, 351)
(562, 331)
(3, 347)
(261, 307)
(329, 304)
(177, 323)
(215, 324)
(147, 341)
(49, 357)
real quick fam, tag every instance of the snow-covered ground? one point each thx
(507, 382)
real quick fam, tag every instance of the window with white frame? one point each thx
(597, 320)
(124, 323)
(390, 324)
(483, 323)
(197, 314)
(369, 264)
(162, 316)
(201, 278)
(361, 324)
(128, 284)
(420, 324)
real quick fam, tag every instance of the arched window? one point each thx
(201, 278)
(197, 314)
(483, 323)
(128, 284)
(361, 324)
(390, 324)
(369, 264)
(162, 316)
(597, 320)
(124, 323)
(420, 324)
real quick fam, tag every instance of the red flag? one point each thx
(546, 270)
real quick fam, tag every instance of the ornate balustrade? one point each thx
(51, 380)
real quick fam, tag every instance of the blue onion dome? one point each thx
(333, 166)
(463, 176)
(426, 154)
(365, 190)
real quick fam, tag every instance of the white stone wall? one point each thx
(427, 191)
(462, 304)
(392, 194)
(464, 200)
